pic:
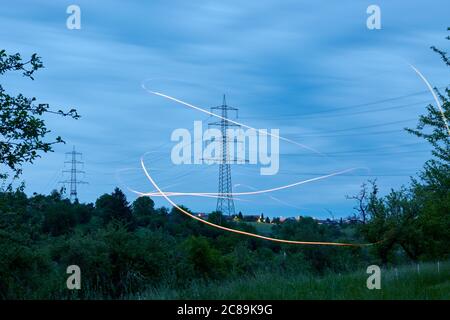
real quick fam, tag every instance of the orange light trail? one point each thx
(215, 195)
(339, 244)
(167, 194)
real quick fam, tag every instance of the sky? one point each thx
(311, 69)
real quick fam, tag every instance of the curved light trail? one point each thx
(231, 121)
(214, 194)
(434, 96)
(167, 195)
(339, 244)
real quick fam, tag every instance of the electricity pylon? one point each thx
(225, 203)
(73, 182)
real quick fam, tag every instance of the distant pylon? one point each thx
(225, 203)
(73, 182)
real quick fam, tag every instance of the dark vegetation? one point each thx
(124, 250)
(136, 250)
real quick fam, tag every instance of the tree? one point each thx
(23, 130)
(145, 214)
(207, 261)
(442, 53)
(143, 206)
(216, 217)
(434, 128)
(59, 218)
(114, 206)
(432, 190)
(276, 220)
(415, 218)
(261, 218)
(364, 201)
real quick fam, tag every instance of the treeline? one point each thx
(122, 249)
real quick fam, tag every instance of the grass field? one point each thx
(405, 283)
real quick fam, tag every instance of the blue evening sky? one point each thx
(309, 68)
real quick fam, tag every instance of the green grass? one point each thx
(406, 283)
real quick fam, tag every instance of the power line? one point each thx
(353, 155)
(382, 124)
(348, 174)
(324, 113)
(349, 134)
(378, 148)
(357, 106)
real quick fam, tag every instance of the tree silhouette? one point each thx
(23, 128)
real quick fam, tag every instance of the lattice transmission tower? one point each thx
(73, 181)
(225, 203)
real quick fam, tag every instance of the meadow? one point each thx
(401, 283)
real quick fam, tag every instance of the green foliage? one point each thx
(415, 218)
(59, 218)
(206, 261)
(122, 251)
(22, 269)
(143, 206)
(143, 209)
(121, 254)
(23, 128)
(405, 283)
(114, 207)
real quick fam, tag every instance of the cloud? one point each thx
(272, 59)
